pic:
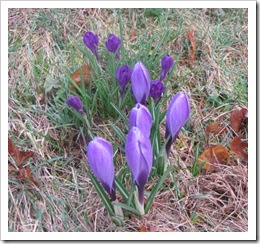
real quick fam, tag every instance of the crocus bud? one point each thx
(113, 44)
(75, 102)
(100, 158)
(141, 117)
(156, 90)
(140, 83)
(91, 41)
(123, 76)
(177, 115)
(139, 157)
(167, 63)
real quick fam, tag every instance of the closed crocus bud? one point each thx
(113, 44)
(140, 83)
(100, 158)
(75, 102)
(167, 63)
(123, 76)
(177, 115)
(139, 157)
(156, 90)
(91, 41)
(141, 117)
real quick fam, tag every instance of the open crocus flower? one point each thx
(140, 83)
(177, 115)
(167, 63)
(139, 157)
(91, 41)
(123, 76)
(75, 102)
(141, 117)
(113, 44)
(100, 158)
(156, 90)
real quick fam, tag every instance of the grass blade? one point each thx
(156, 189)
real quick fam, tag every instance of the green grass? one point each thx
(45, 48)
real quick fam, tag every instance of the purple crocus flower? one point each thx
(91, 41)
(156, 90)
(167, 63)
(141, 117)
(123, 76)
(100, 158)
(140, 83)
(113, 44)
(139, 157)
(177, 115)
(75, 102)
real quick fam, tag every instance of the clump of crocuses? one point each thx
(166, 64)
(91, 41)
(75, 102)
(123, 76)
(177, 115)
(113, 44)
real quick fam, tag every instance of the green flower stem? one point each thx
(118, 210)
(139, 207)
(88, 126)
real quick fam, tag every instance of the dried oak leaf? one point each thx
(76, 76)
(212, 156)
(190, 36)
(19, 157)
(238, 147)
(214, 128)
(237, 117)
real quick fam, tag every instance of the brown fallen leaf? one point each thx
(190, 36)
(238, 147)
(237, 117)
(19, 157)
(133, 35)
(213, 128)
(143, 229)
(212, 156)
(85, 69)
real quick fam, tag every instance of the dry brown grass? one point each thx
(214, 202)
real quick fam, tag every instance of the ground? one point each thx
(45, 49)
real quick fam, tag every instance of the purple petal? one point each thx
(91, 41)
(113, 43)
(141, 117)
(177, 115)
(140, 83)
(139, 156)
(75, 102)
(123, 76)
(166, 63)
(157, 88)
(100, 158)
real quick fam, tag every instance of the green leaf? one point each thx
(128, 208)
(119, 132)
(156, 189)
(123, 116)
(122, 190)
(102, 194)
